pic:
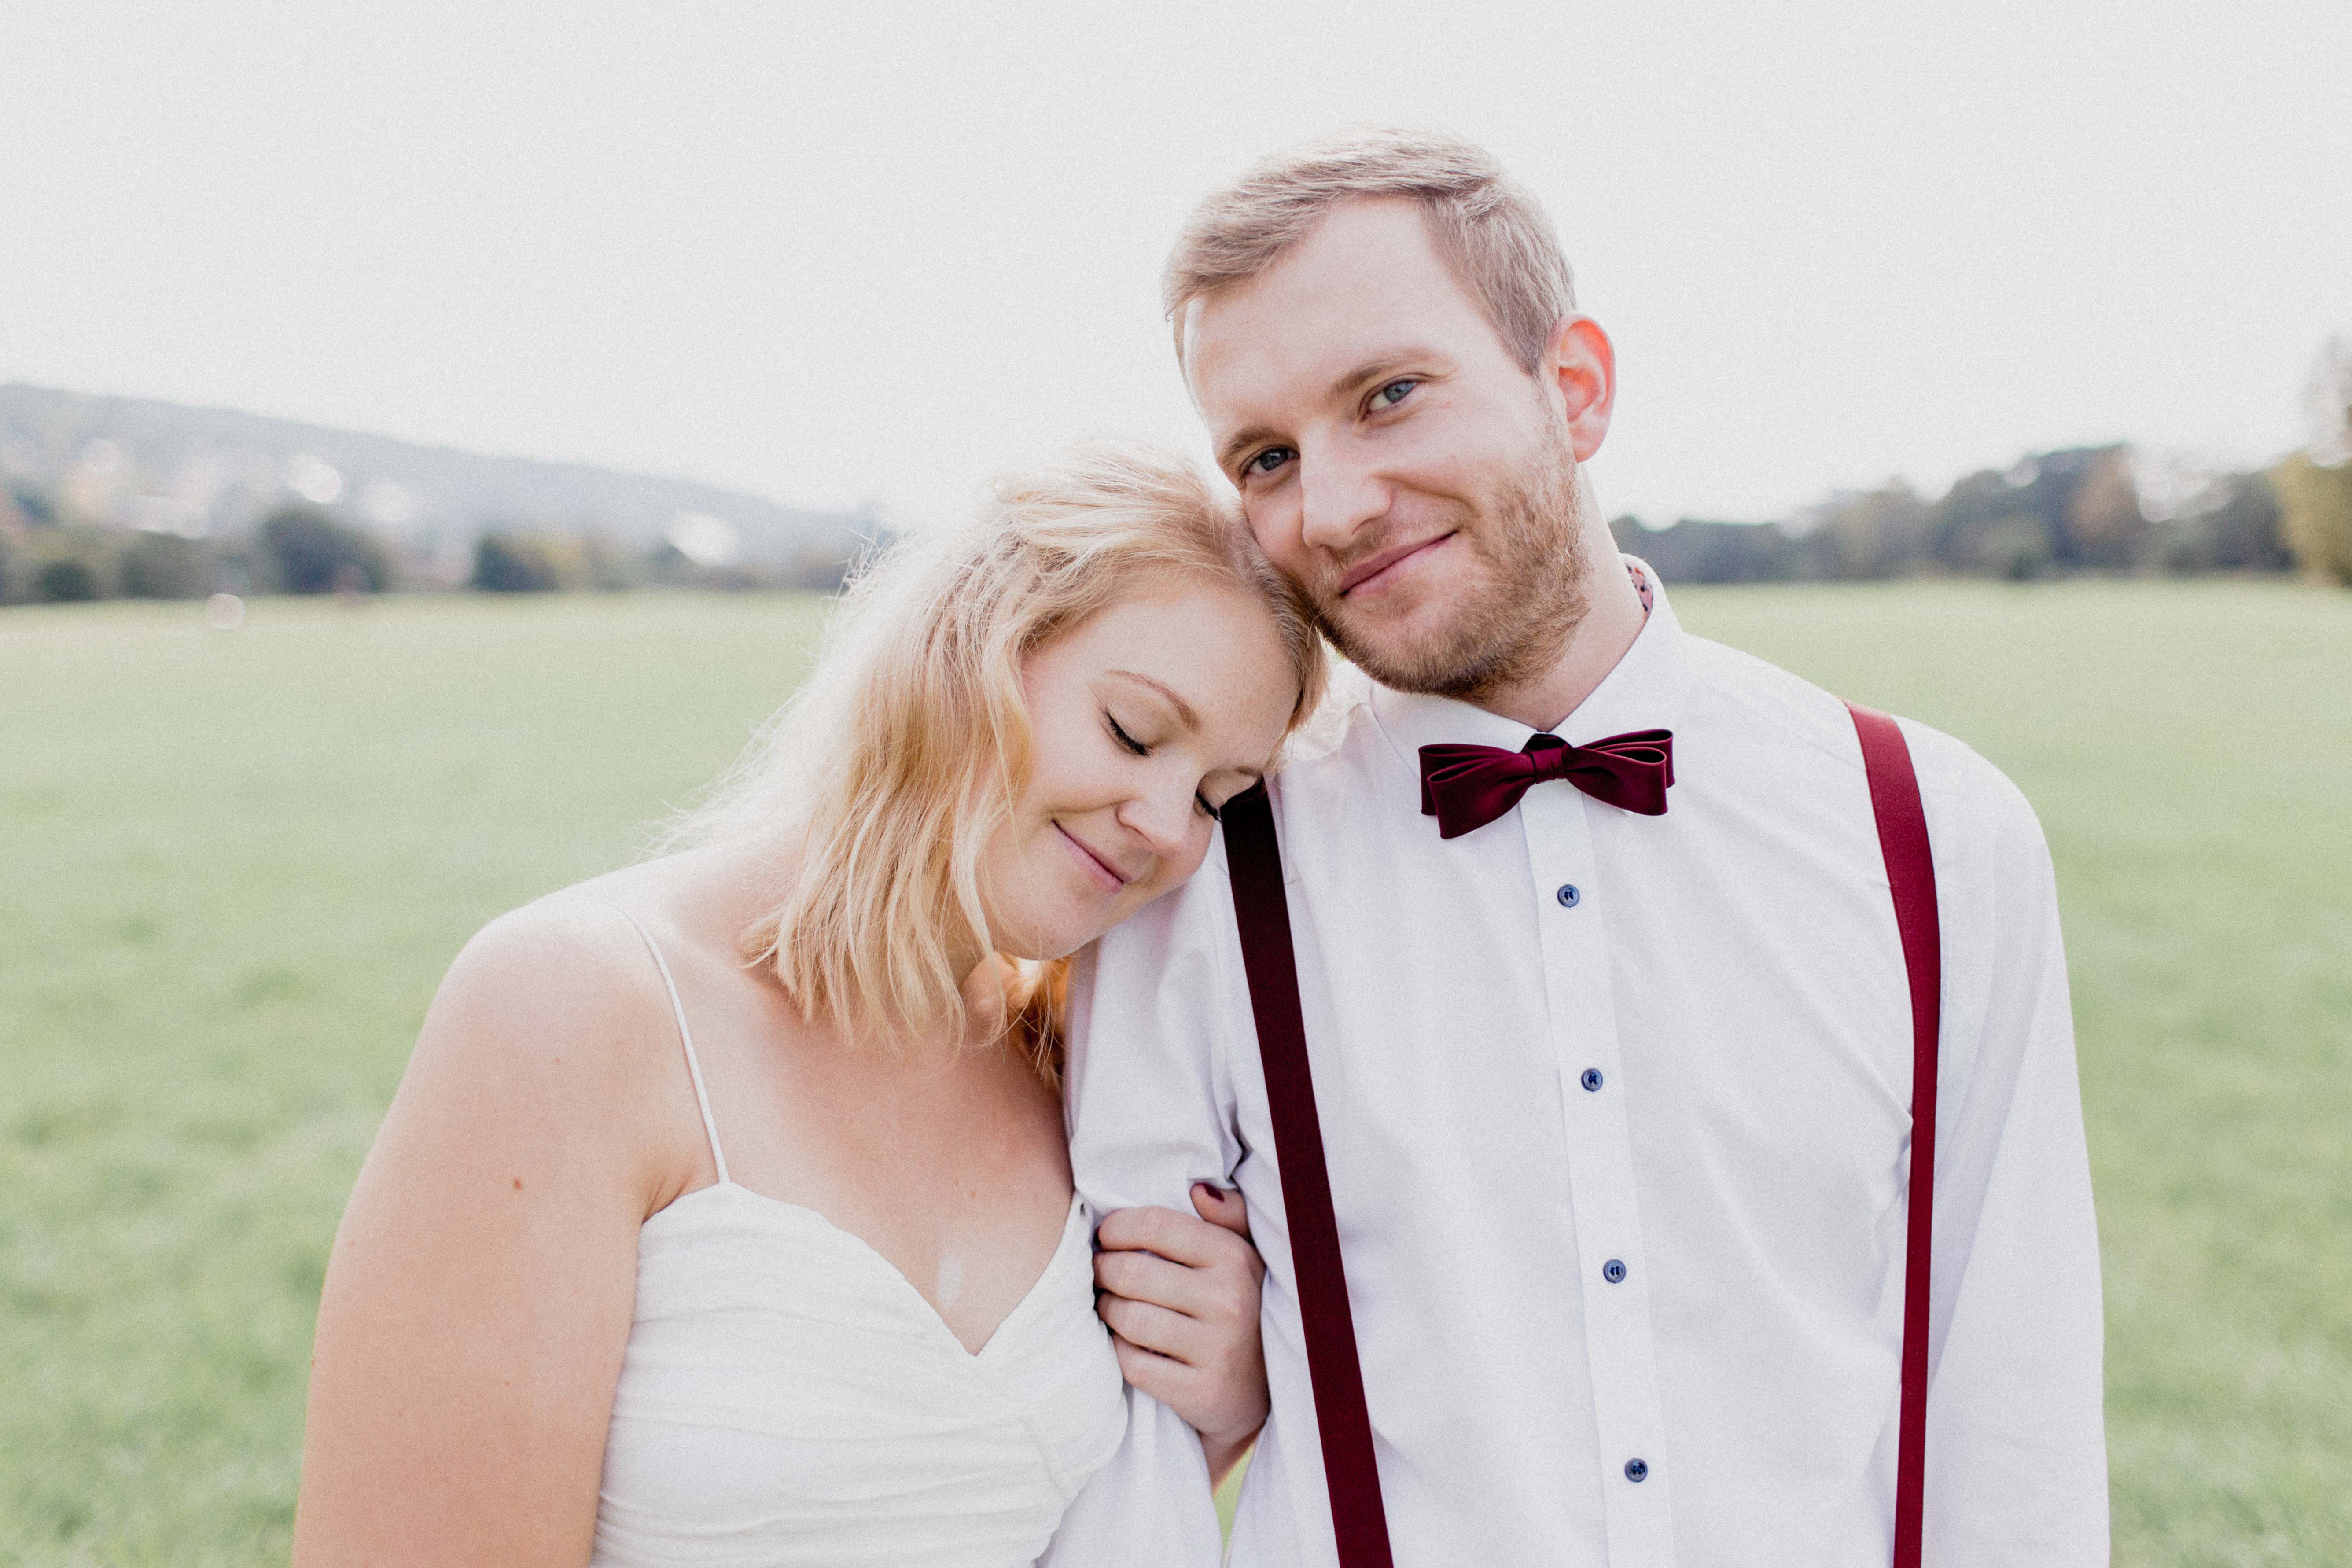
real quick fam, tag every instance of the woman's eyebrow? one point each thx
(1184, 713)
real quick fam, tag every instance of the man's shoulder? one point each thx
(1756, 700)
(1775, 704)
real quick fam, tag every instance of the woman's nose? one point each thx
(1163, 823)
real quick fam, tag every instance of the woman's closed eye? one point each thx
(1118, 733)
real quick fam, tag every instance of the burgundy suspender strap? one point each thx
(1359, 1522)
(1911, 873)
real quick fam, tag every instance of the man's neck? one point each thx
(1612, 618)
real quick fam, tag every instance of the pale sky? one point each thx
(878, 252)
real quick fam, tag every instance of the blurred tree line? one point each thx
(48, 558)
(2053, 514)
(508, 561)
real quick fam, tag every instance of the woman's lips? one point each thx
(1382, 568)
(1100, 868)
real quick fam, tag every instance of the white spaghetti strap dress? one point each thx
(789, 1398)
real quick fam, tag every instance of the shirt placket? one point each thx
(1573, 908)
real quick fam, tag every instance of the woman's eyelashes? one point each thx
(1118, 733)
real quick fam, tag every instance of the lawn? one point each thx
(233, 865)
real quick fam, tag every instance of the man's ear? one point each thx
(1579, 368)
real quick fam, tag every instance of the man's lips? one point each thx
(1110, 873)
(1372, 567)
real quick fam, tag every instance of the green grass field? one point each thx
(233, 865)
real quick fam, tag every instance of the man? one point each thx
(1616, 1106)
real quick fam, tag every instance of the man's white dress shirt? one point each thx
(1697, 1065)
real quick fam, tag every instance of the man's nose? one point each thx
(1339, 494)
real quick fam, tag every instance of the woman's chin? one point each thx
(1045, 949)
(1065, 932)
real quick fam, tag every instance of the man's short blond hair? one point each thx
(1490, 231)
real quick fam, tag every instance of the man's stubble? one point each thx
(1512, 616)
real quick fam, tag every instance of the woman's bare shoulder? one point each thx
(570, 961)
(553, 1017)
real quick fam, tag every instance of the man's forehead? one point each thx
(1368, 284)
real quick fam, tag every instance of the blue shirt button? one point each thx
(1569, 897)
(1591, 1079)
(1636, 1470)
(1613, 1271)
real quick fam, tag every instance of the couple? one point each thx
(736, 1207)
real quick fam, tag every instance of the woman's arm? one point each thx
(1180, 1297)
(478, 1298)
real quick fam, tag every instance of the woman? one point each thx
(724, 1213)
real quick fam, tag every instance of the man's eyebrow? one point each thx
(1376, 369)
(1241, 441)
(1184, 713)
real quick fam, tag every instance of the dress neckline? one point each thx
(893, 1277)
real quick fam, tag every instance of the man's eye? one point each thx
(1394, 393)
(1266, 462)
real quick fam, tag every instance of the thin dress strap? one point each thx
(686, 1038)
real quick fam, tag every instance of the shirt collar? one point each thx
(1643, 691)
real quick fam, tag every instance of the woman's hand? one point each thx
(1180, 1297)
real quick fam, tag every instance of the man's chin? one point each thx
(1404, 664)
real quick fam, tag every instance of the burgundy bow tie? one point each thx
(1468, 786)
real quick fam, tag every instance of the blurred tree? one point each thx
(32, 504)
(1869, 533)
(65, 580)
(1986, 523)
(164, 566)
(2016, 547)
(2103, 525)
(609, 568)
(1697, 550)
(310, 553)
(527, 563)
(67, 563)
(2234, 526)
(2317, 500)
(2315, 486)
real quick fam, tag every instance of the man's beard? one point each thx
(1509, 622)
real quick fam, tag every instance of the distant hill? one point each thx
(209, 471)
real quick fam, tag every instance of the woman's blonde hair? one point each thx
(902, 753)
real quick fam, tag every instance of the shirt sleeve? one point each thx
(1150, 1109)
(2016, 1447)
